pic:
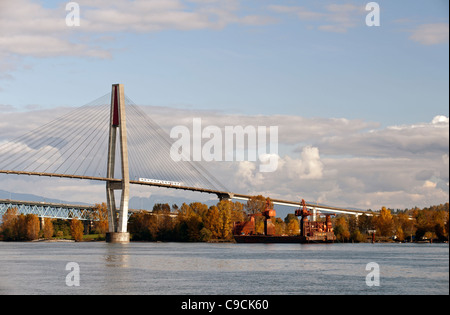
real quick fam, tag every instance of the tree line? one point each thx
(415, 224)
(198, 222)
(17, 226)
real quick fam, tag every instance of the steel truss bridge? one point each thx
(50, 210)
(58, 210)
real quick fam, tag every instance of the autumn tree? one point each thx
(225, 219)
(256, 204)
(384, 223)
(101, 224)
(194, 225)
(441, 219)
(32, 227)
(403, 226)
(341, 229)
(166, 226)
(9, 225)
(76, 230)
(292, 225)
(21, 228)
(48, 228)
(143, 226)
(237, 212)
(199, 209)
(432, 222)
(280, 226)
(161, 208)
(212, 222)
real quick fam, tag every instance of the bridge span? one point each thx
(220, 194)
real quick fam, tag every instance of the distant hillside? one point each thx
(135, 202)
(30, 197)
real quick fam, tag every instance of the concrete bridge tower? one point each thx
(118, 219)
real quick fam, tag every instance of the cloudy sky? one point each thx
(362, 111)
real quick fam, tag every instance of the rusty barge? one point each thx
(310, 231)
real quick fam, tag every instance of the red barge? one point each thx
(310, 231)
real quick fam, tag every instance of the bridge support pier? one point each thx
(118, 220)
(118, 237)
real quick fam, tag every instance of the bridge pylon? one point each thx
(118, 219)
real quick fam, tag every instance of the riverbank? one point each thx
(100, 238)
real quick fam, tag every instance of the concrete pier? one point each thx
(118, 237)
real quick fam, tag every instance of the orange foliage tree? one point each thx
(76, 230)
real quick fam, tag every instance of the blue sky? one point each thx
(362, 111)
(285, 64)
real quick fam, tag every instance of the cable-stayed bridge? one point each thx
(100, 142)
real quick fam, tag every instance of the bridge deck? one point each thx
(195, 189)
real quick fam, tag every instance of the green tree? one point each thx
(365, 223)
(280, 226)
(292, 225)
(205, 235)
(357, 237)
(62, 228)
(341, 229)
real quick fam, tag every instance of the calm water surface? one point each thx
(200, 268)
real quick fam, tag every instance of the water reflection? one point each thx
(180, 268)
(117, 256)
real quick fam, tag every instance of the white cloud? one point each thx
(431, 34)
(440, 119)
(334, 161)
(309, 166)
(399, 141)
(28, 29)
(337, 18)
(48, 46)
(429, 184)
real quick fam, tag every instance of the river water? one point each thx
(230, 269)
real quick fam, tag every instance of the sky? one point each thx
(362, 111)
